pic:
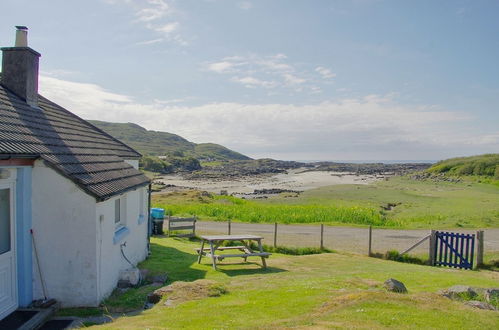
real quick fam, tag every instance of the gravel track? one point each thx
(350, 239)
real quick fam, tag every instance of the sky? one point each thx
(286, 79)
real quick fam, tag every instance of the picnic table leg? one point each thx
(247, 250)
(260, 247)
(201, 252)
(212, 250)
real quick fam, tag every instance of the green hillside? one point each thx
(157, 143)
(481, 165)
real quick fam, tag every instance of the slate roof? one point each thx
(73, 147)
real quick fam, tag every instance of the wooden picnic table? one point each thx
(245, 250)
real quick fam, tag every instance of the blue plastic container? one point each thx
(157, 213)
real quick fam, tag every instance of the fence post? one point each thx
(431, 252)
(479, 248)
(322, 236)
(275, 234)
(369, 253)
(229, 228)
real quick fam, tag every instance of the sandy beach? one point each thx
(295, 179)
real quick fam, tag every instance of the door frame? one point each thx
(10, 183)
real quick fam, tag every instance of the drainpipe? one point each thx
(149, 227)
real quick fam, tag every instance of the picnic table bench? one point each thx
(216, 241)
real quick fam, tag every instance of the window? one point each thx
(117, 211)
(120, 212)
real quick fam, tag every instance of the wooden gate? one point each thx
(454, 250)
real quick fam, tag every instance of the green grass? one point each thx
(419, 204)
(323, 290)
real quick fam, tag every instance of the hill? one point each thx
(156, 143)
(481, 165)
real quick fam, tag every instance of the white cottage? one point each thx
(67, 186)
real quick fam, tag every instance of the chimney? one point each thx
(20, 68)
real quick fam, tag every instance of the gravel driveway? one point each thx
(351, 239)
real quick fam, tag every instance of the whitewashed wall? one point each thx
(79, 258)
(65, 235)
(111, 260)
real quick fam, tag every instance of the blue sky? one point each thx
(361, 79)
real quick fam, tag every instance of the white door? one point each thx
(8, 279)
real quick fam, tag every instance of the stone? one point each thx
(124, 284)
(459, 292)
(131, 275)
(491, 294)
(395, 286)
(480, 305)
(148, 305)
(161, 278)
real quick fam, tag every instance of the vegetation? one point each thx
(398, 202)
(482, 165)
(156, 143)
(227, 207)
(317, 291)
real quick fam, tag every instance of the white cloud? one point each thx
(220, 67)
(373, 127)
(263, 71)
(167, 28)
(252, 82)
(325, 72)
(149, 42)
(245, 5)
(155, 15)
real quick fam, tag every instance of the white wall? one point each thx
(111, 259)
(65, 236)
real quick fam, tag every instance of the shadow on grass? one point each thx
(246, 271)
(176, 263)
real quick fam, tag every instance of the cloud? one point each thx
(270, 71)
(149, 42)
(245, 5)
(325, 72)
(220, 67)
(251, 82)
(167, 28)
(371, 127)
(155, 15)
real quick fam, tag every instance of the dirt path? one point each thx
(339, 238)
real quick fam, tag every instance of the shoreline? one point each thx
(299, 179)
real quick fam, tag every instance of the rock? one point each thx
(491, 294)
(161, 278)
(148, 305)
(480, 305)
(131, 275)
(168, 302)
(124, 284)
(395, 286)
(459, 292)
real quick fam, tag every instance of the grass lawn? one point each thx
(326, 290)
(418, 204)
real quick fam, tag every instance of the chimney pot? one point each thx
(21, 36)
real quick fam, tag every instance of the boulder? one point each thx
(395, 286)
(161, 278)
(491, 294)
(459, 292)
(480, 305)
(131, 275)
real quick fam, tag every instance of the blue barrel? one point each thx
(157, 213)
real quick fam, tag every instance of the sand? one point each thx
(295, 179)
